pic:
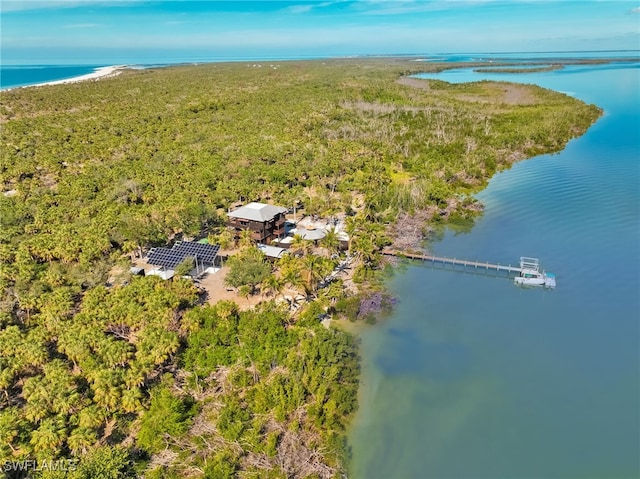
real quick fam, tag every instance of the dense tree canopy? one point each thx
(139, 372)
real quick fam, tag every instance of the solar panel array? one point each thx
(172, 257)
(166, 257)
(204, 252)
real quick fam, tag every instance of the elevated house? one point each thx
(266, 222)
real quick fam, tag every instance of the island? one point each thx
(238, 369)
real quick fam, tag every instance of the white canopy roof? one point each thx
(257, 212)
(310, 234)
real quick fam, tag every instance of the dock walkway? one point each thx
(452, 261)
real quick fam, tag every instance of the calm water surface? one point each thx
(474, 377)
(12, 76)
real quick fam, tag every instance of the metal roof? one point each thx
(271, 251)
(257, 212)
(311, 234)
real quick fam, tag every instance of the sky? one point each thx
(139, 31)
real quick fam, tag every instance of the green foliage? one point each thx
(102, 169)
(258, 338)
(222, 466)
(103, 462)
(185, 267)
(106, 462)
(74, 372)
(167, 418)
(349, 307)
(247, 268)
(232, 420)
(214, 344)
(159, 159)
(271, 381)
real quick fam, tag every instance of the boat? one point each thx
(530, 274)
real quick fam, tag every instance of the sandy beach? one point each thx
(99, 73)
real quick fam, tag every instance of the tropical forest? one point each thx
(145, 377)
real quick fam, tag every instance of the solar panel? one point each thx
(172, 257)
(157, 255)
(167, 258)
(204, 252)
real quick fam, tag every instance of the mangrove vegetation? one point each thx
(140, 378)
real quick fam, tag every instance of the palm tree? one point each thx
(299, 244)
(114, 352)
(273, 285)
(106, 389)
(28, 303)
(91, 417)
(73, 346)
(245, 291)
(226, 309)
(225, 239)
(185, 267)
(131, 400)
(331, 241)
(49, 437)
(367, 250)
(80, 440)
(352, 224)
(131, 248)
(10, 424)
(332, 293)
(63, 395)
(292, 273)
(246, 239)
(312, 269)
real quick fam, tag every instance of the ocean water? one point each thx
(527, 56)
(474, 377)
(12, 76)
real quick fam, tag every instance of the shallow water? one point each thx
(12, 76)
(473, 377)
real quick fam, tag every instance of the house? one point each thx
(266, 222)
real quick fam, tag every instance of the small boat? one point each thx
(530, 274)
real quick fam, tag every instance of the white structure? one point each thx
(272, 252)
(257, 212)
(530, 274)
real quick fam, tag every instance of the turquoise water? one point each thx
(474, 377)
(12, 76)
(527, 56)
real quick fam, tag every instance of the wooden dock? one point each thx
(452, 261)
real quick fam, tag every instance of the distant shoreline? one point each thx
(97, 74)
(478, 60)
(539, 69)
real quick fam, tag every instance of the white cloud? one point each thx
(22, 5)
(635, 10)
(402, 7)
(299, 9)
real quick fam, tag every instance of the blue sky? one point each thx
(138, 31)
